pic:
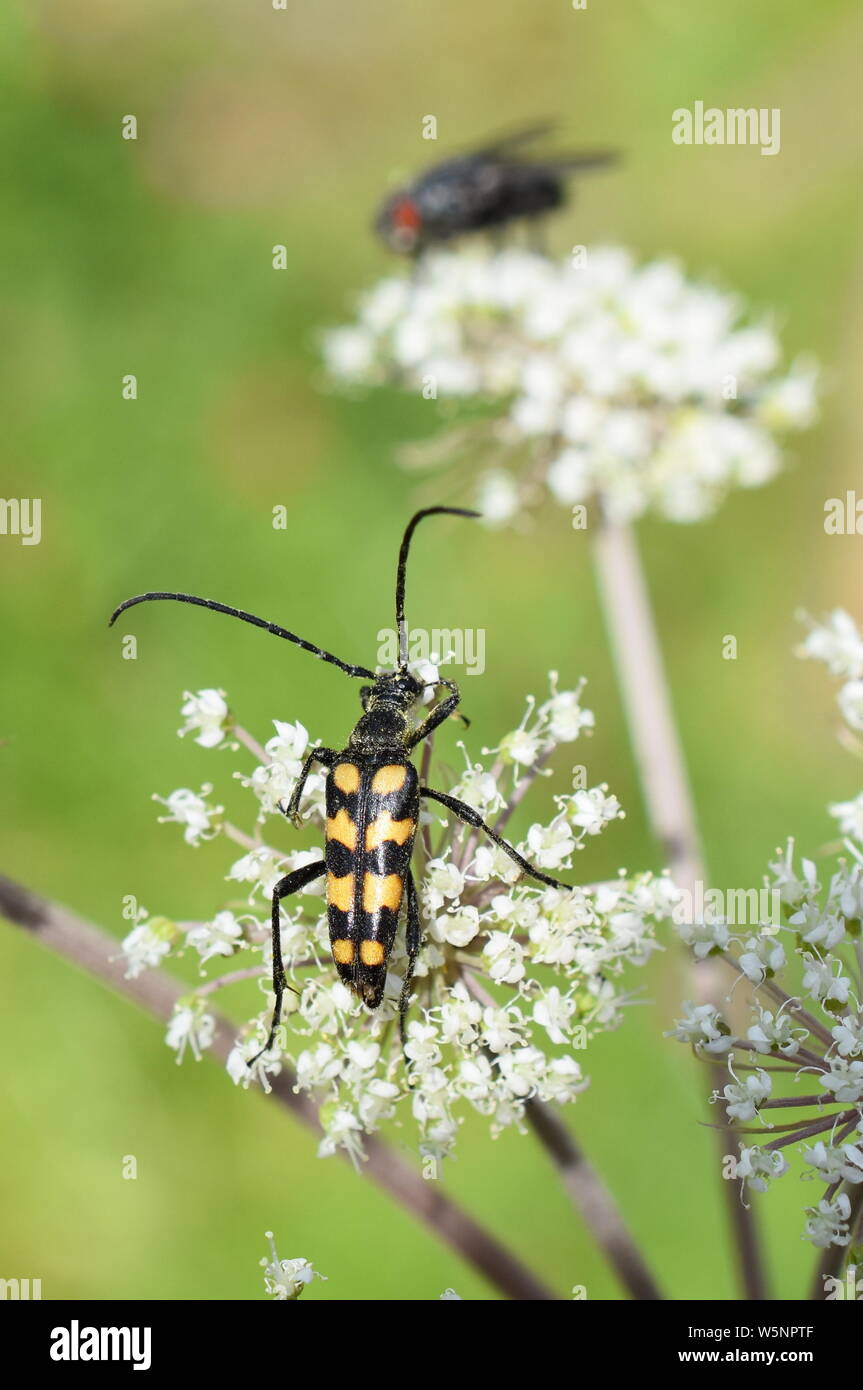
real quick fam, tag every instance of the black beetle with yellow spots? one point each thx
(373, 798)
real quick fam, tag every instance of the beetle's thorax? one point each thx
(384, 725)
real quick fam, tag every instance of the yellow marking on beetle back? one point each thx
(382, 890)
(343, 951)
(371, 952)
(383, 827)
(340, 891)
(342, 828)
(346, 777)
(389, 779)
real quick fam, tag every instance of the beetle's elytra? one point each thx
(373, 798)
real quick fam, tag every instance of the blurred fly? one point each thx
(481, 191)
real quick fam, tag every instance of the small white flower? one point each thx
(191, 1027)
(551, 846)
(521, 746)
(442, 880)
(762, 957)
(221, 937)
(206, 714)
(850, 816)
(505, 958)
(593, 809)
(317, 1067)
(147, 944)
(837, 643)
(191, 810)
(501, 1028)
(850, 701)
(828, 1222)
(844, 1080)
(457, 928)
(553, 1011)
(836, 1164)
(759, 1167)
(286, 1279)
(776, 1033)
(566, 718)
(498, 499)
(745, 1098)
(849, 1036)
(704, 1027)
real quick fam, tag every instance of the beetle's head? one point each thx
(396, 689)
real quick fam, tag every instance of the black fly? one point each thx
(480, 191)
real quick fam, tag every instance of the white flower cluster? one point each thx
(810, 1034)
(623, 382)
(512, 982)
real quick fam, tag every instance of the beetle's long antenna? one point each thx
(403, 560)
(248, 618)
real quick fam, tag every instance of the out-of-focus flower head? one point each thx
(609, 380)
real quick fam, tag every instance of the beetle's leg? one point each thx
(472, 817)
(327, 756)
(413, 941)
(291, 883)
(437, 715)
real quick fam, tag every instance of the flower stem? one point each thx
(95, 951)
(589, 1194)
(584, 1187)
(665, 788)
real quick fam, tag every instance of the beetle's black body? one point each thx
(372, 812)
(480, 191)
(372, 803)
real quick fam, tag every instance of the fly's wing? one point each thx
(503, 144)
(580, 159)
(507, 147)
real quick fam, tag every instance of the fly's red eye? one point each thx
(405, 216)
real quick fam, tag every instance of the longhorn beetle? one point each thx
(372, 805)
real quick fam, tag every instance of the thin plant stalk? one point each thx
(668, 800)
(585, 1188)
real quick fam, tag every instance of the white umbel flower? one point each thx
(615, 380)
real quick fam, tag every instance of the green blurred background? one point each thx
(259, 127)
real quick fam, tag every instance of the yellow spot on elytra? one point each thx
(389, 779)
(346, 777)
(382, 891)
(340, 891)
(371, 952)
(343, 951)
(383, 827)
(342, 828)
